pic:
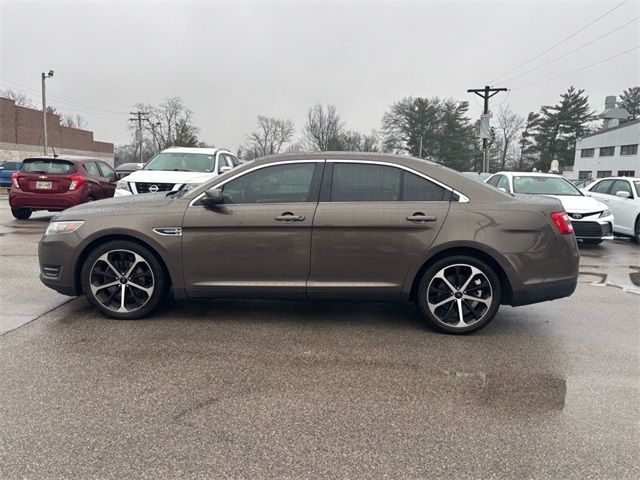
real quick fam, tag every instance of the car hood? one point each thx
(164, 176)
(575, 204)
(129, 205)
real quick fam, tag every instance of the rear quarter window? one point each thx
(49, 167)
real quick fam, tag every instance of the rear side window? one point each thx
(92, 169)
(49, 167)
(603, 186)
(353, 182)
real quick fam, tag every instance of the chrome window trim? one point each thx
(239, 174)
(462, 198)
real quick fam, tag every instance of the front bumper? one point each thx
(57, 258)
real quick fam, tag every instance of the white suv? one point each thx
(175, 168)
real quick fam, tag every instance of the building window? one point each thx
(629, 149)
(587, 152)
(607, 151)
(584, 175)
(603, 173)
(626, 173)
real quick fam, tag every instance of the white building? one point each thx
(610, 152)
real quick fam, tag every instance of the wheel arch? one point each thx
(91, 246)
(505, 283)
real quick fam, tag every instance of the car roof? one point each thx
(69, 158)
(633, 179)
(202, 151)
(529, 174)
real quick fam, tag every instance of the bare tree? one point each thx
(323, 128)
(19, 98)
(73, 121)
(269, 138)
(509, 125)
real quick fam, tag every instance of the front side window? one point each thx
(544, 186)
(182, 162)
(607, 151)
(629, 149)
(290, 183)
(621, 186)
(602, 187)
(587, 152)
(493, 181)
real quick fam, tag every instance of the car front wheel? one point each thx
(123, 279)
(459, 295)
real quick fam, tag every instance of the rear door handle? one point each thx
(289, 217)
(421, 217)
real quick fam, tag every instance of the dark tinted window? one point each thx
(92, 169)
(418, 189)
(106, 171)
(621, 186)
(493, 181)
(354, 182)
(278, 184)
(602, 187)
(50, 167)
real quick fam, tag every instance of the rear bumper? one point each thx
(543, 292)
(45, 201)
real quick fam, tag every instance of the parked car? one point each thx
(477, 176)
(59, 182)
(592, 220)
(176, 168)
(127, 168)
(622, 196)
(8, 168)
(319, 226)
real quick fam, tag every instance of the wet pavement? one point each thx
(254, 389)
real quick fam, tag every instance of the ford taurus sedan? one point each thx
(319, 226)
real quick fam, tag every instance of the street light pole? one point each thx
(44, 108)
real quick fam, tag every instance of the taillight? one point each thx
(14, 180)
(562, 222)
(76, 181)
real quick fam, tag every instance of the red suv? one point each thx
(59, 182)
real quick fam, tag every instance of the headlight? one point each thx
(63, 227)
(606, 213)
(123, 185)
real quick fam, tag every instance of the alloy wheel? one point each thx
(121, 281)
(459, 295)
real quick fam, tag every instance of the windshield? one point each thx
(50, 167)
(544, 186)
(182, 162)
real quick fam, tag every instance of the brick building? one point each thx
(22, 135)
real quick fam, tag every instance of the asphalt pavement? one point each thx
(269, 389)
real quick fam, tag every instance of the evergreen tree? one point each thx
(630, 101)
(527, 154)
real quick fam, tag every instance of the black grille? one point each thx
(146, 187)
(582, 215)
(591, 229)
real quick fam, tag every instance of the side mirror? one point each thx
(623, 194)
(225, 169)
(212, 197)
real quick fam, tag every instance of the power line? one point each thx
(64, 100)
(572, 51)
(561, 41)
(578, 69)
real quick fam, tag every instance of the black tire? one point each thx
(476, 314)
(147, 273)
(591, 241)
(636, 232)
(21, 213)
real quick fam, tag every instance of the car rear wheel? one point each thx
(21, 213)
(123, 280)
(459, 295)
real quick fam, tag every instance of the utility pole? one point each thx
(485, 93)
(138, 118)
(49, 74)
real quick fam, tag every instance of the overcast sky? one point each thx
(231, 61)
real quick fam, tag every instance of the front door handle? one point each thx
(289, 217)
(421, 217)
